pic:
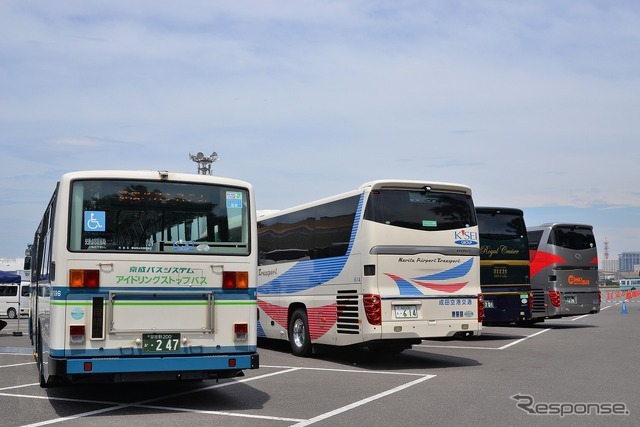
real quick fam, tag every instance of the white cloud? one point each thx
(531, 104)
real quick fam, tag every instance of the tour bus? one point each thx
(564, 270)
(14, 299)
(383, 266)
(504, 265)
(144, 275)
(630, 284)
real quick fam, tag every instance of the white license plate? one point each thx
(569, 299)
(406, 311)
(488, 303)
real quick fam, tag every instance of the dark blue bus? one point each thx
(504, 265)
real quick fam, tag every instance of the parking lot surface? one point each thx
(574, 371)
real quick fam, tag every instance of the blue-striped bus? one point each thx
(144, 275)
(383, 266)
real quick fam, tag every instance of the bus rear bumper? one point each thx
(218, 366)
(430, 329)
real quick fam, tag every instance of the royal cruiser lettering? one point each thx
(500, 250)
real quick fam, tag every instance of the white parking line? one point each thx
(468, 347)
(523, 339)
(346, 408)
(285, 369)
(16, 364)
(353, 371)
(142, 403)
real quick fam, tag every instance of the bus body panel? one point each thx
(149, 306)
(564, 279)
(422, 294)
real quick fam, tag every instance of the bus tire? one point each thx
(299, 333)
(12, 313)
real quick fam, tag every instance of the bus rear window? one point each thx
(501, 226)
(575, 238)
(150, 216)
(421, 210)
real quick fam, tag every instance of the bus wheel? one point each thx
(299, 333)
(12, 313)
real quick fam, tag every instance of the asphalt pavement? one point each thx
(575, 371)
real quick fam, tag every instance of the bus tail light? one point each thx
(373, 308)
(531, 301)
(84, 278)
(554, 297)
(76, 334)
(241, 331)
(235, 280)
(480, 308)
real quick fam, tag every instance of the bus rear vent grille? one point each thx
(347, 307)
(538, 301)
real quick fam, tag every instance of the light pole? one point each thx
(204, 162)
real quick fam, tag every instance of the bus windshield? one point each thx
(421, 210)
(127, 215)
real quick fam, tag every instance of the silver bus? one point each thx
(564, 270)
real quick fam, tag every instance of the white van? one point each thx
(14, 299)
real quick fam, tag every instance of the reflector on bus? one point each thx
(235, 280)
(84, 278)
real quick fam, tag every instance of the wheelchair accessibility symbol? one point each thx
(94, 221)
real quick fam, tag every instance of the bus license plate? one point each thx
(488, 303)
(406, 311)
(570, 299)
(160, 343)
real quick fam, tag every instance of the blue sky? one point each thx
(533, 104)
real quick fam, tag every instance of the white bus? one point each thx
(144, 275)
(383, 267)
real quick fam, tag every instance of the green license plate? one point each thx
(160, 343)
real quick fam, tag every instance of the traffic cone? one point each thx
(624, 307)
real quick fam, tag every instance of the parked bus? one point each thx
(631, 284)
(144, 275)
(564, 270)
(504, 265)
(383, 267)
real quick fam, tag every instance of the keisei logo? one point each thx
(466, 238)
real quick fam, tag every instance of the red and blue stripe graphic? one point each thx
(308, 274)
(444, 281)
